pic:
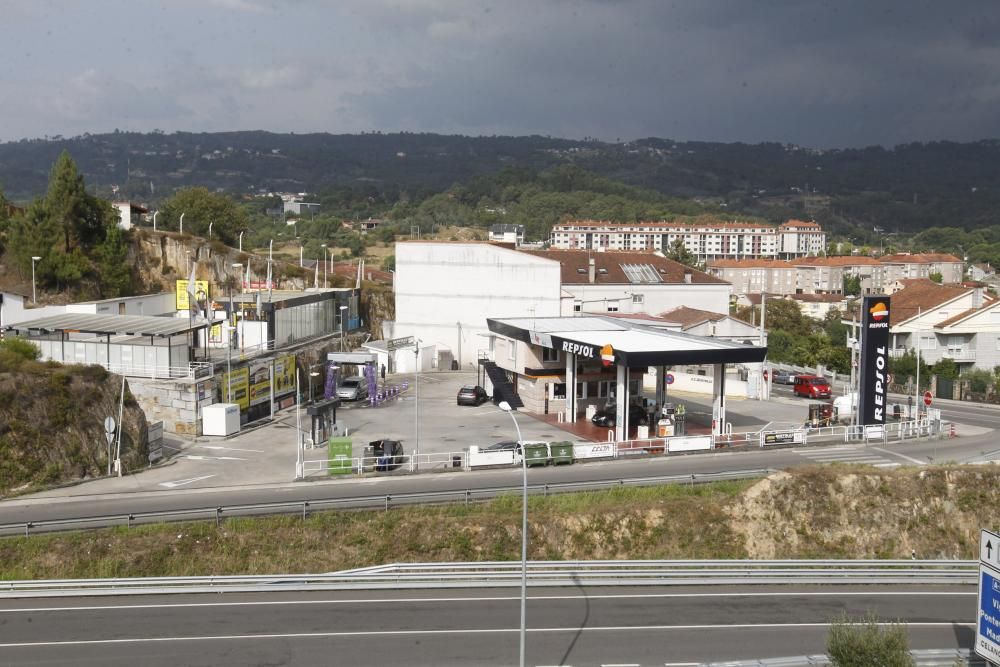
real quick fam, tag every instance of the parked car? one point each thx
(504, 446)
(607, 416)
(812, 386)
(352, 389)
(388, 454)
(784, 377)
(472, 395)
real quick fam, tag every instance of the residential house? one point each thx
(748, 276)
(129, 214)
(923, 265)
(981, 272)
(505, 233)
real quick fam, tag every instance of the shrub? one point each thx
(866, 643)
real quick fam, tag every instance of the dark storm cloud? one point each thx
(824, 74)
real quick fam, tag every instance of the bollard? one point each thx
(218, 517)
(305, 504)
(387, 503)
(951, 430)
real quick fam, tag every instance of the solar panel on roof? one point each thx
(640, 273)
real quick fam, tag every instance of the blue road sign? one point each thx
(988, 623)
(670, 378)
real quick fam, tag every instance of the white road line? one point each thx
(469, 631)
(637, 596)
(620, 664)
(681, 664)
(182, 482)
(902, 456)
(211, 458)
(886, 465)
(230, 449)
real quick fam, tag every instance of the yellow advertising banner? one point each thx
(284, 374)
(260, 382)
(181, 296)
(238, 384)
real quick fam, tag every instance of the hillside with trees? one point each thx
(904, 189)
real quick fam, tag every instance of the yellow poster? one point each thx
(238, 385)
(260, 382)
(181, 296)
(284, 374)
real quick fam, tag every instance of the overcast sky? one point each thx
(824, 74)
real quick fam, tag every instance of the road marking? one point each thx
(902, 456)
(182, 482)
(278, 603)
(229, 449)
(620, 664)
(469, 631)
(211, 458)
(681, 664)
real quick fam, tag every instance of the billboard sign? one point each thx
(874, 384)
(182, 298)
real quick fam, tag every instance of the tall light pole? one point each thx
(33, 260)
(182, 224)
(505, 406)
(342, 309)
(241, 240)
(210, 228)
(155, 213)
(325, 262)
(300, 254)
(229, 343)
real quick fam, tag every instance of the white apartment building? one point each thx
(825, 275)
(445, 291)
(706, 240)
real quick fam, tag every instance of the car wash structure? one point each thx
(568, 363)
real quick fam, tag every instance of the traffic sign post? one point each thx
(988, 615)
(928, 398)
(110, 428)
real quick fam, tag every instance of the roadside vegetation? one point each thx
(812, 512)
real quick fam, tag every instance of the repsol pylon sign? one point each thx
(873, 384)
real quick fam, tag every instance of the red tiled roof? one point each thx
(665, 224)
(919, 295)
(749, 264)
(801, 224)
(919, 258)
(572, 261)
(818, 298)
(688, 317)
(835, 261)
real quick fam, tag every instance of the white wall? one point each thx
(445, 291)
(149, 304)
(13, 310)
(655, 298)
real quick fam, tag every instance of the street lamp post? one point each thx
(505, 406)
(241, 240)
(229, 342)
(33, 260)
(155, 213)
(182, 224)
(342, 309)
(300, 255)
(210, 229)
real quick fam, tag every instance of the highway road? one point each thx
(75, 502)
(567, 626)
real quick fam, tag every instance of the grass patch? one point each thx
(653, 522)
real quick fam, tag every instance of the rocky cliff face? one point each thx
(163, 257)
(377, 305)
(52, 426)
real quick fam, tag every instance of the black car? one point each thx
(388, 454)
(472, 395)
(607, 416)
(504, 446)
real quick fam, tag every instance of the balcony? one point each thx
(959, 354)
(896, 352)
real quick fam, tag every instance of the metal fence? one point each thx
(193, 370)
(384, 501)
(504, 574)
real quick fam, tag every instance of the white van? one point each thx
(844, 407)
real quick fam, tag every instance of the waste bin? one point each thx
(536, 453)
(642, 432)
(562, 452)
(665, 427)
(456, 461)
(454, 364)
(680, 424)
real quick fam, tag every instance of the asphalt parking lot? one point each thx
(267, 454)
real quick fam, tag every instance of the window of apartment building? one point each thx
(637, 298)
(613, 309)
(549, 354)
(559, 390)
(511, 350)
(928, 342)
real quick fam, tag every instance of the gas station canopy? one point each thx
(633, 345)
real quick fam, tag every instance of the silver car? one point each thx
(352, 389)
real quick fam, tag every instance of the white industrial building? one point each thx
(445, 292)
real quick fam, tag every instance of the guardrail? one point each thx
(193, 370)
(921, 658)
(504, 574)
(305, 506)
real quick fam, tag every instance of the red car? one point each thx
(812, 386)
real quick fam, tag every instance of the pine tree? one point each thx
(114, 270)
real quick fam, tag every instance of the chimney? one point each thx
(977, 297)
(592, 270)
(687, 276)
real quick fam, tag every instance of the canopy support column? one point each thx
(718, 399)
(570, 387)
(621, 394)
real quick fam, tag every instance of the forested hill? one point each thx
(906, 188)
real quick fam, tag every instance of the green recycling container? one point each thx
(562, 452)
(536, 453)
